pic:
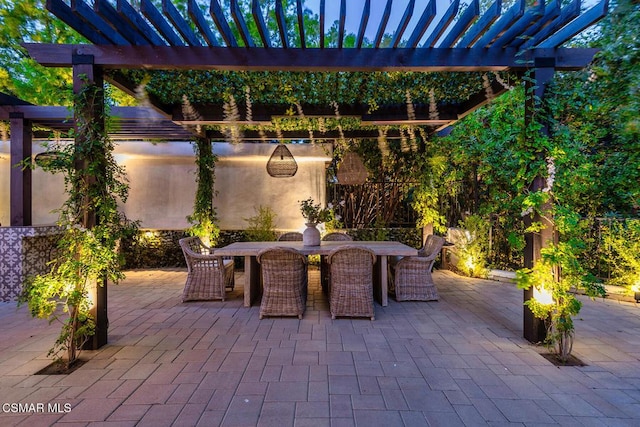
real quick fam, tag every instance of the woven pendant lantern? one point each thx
(352, 170)
(282, 164)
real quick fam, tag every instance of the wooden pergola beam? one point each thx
(296, 59)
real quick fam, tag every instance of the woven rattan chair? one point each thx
(208, 275)
(351, 289)
(337, 236)
(284, 280)
(412, 279)
(334, 236)
(292, 236)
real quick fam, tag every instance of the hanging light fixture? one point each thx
(282, 164)
(352, 170)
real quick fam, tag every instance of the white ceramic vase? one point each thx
(311, 235)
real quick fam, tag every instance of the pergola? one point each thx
(212, 37)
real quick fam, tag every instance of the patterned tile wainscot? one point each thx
(24, 251)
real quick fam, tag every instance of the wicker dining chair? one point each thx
(208, 275)
(293, 236)
(411, 276)
(351, 283)
(334, 236)
(284, 281)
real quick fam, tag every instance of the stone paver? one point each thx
(459, 361)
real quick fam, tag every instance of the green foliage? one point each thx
(262, 225)
(204, 215)
(559, 274)
(313, 213)
(473, 252)
(92, 227)
(621, 240)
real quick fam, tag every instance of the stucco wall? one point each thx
(162, 184)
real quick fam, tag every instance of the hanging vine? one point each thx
(92, 227)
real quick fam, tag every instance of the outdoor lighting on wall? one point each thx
(47, 158)
(282, 164)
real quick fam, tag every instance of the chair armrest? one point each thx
(416, 263)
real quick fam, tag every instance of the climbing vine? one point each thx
(91, 225)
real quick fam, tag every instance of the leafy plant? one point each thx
(92, 227)
(313, 213)
(262, 225)
(622, 244)
(204, 214)
(473, 251)
(559, 274)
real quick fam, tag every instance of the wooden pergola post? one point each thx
(534, 329)
(20, 178)
(92, 111)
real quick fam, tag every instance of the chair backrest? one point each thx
(194, 245)
(352, 256)
(280, 265)
(336, 236)
(432, 246)
(292, 236)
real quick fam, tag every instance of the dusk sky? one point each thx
(354, 13)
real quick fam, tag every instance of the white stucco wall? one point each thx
(162, 184)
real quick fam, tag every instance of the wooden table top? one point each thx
(379, 248)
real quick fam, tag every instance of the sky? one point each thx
(354, 14)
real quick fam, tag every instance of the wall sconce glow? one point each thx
(543, 296)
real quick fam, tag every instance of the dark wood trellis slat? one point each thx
(60, 9)
(443, 24)
(383, 23)
(196, 15)
(137, 21)
(341, 22)
(282, 24)
(529, 17)
(568, 14)
(363, 23)
(241, 25)
(481, 25)
(551, 12)
(303, 42)
(259, 20)
(179, 23)
(258, 59)
(422, 25)
(157, 20)
(468, 17)
(402, 25)
(584, 21)
(221, 22)
(514, 13)
(107, 12)
(93, 19)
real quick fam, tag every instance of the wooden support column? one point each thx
(533, 328)
(86, 73)
(20, 178)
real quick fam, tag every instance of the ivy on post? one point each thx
(89, 117)
(534, 329)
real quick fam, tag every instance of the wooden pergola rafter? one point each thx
(157, 36)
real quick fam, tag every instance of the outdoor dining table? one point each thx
(249, 250)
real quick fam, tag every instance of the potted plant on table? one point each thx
(313, 215)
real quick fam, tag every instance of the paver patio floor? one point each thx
(459, 361)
